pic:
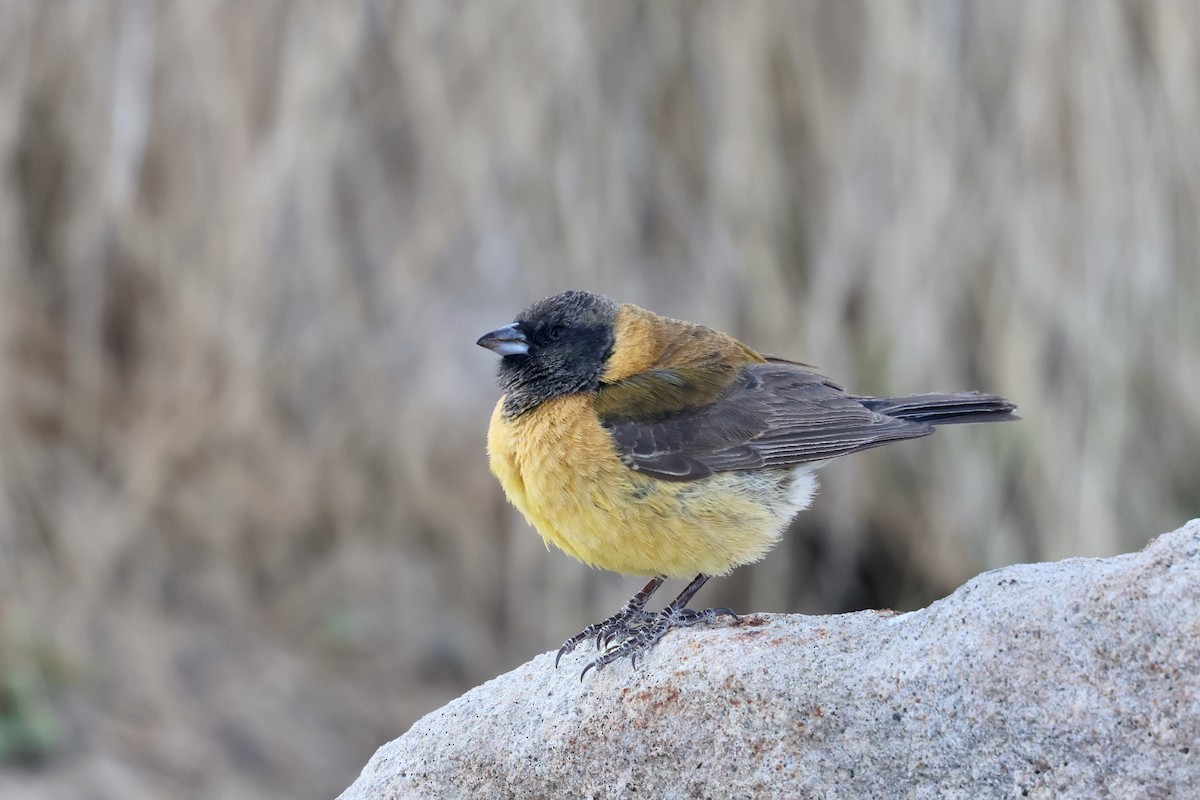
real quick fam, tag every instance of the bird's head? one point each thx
(557, 346)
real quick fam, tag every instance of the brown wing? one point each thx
(771, 415)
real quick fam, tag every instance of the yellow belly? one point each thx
(558, 467)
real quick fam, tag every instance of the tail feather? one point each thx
(944, 409)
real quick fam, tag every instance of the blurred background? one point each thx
(247, 530)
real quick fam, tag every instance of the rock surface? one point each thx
(1079, 678)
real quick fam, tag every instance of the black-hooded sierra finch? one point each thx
(655, 447)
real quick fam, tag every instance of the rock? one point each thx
(1079, 678)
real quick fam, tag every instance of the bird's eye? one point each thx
(558, 331)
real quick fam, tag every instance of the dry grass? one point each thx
(246, 528)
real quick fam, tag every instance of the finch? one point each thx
(656, 447)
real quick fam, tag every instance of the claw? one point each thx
(596, 664)
(632, 615)
(632, 631)
(573, 642)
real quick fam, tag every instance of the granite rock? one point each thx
(1079, 678)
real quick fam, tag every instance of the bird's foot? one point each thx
(621, 624)
(641, 637)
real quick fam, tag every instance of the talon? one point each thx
(623, 623)
(633, 631)
(571, 643)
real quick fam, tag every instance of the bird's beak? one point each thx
(507, 341)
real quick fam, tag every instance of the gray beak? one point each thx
(507, 341)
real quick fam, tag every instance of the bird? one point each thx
(660, 448)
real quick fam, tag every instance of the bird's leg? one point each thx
(624, 621)
(675, 615)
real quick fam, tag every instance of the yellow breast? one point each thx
(558, 467)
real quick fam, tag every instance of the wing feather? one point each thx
(775, 414)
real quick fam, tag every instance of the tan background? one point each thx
(247, 532)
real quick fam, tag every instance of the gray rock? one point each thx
(1074, 679)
